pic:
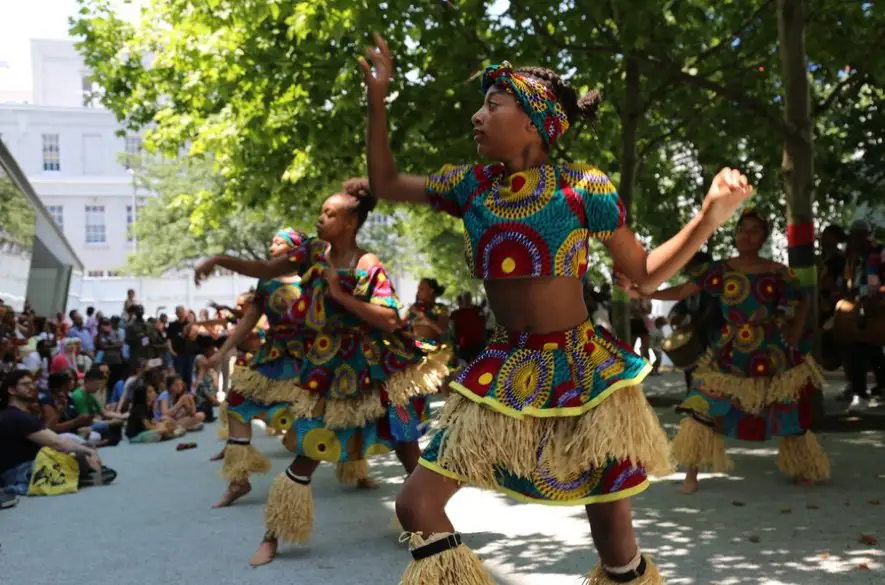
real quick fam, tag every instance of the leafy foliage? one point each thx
(271, 89)
(166, 237)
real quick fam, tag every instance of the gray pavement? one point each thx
(155, 525)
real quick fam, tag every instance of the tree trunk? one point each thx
(798, 158)
(630, 116)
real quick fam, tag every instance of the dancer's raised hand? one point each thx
(377, 70)
(729, 190)
(203, 270)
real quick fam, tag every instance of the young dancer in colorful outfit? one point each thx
(758, 379)
(551, 411)
(428, 318)
(264, 388)
(361, 383)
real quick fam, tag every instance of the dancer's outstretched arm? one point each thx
(384, 179)
(263, 269)
(241, 331)
(649, 269)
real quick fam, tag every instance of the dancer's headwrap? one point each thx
(292, 237)
(539, 102)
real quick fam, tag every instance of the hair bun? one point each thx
(588, 104)
(358, 188)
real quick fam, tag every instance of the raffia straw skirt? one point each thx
(555, 419)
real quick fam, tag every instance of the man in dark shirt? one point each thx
(183, 350)
(137, 335)
(16, 424)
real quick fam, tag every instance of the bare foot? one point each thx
(266, 552)
(234, 492)
(690, 485)
(367, 483)
(218, 457)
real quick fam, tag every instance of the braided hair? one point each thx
(584, 107)
(358, 189)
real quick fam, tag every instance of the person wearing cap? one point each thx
(862, 280)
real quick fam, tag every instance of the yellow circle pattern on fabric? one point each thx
(696, 404)
(736, 288)
(321, 445)
(572, 254)
(523, 194)
(282, 420)
(344, 385)
(324, 348)
(574, 487)
(281, 300)
(371, 352)
(526, 379)
(376, 449)
(748, 338)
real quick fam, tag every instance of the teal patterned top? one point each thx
(529, 224)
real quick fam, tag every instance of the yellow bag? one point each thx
(54, 474)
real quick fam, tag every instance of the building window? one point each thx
(57, 214)
(95, 274)
(133, 150)
(51, 159)
(89, 91)
(132, 218)
(96, 232)
(114, 274)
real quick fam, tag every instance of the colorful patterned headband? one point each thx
(290, 235)
(539, 102)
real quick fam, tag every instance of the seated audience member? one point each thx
(66, 359)
(178, 405)
(106, 422)
(23, 434)
(141, 426)
(60, 415)
(121, 394)
(206, 388)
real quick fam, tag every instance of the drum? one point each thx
(684, 348)
(848, 328)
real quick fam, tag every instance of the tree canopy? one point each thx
(271, 90)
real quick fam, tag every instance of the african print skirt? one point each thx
(312, 437)
(264, 392)
(555, 419)
(754, 407)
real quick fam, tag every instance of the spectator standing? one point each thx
(181, 346)
(91, 324)
(128, 303)
(110, 344)
(137, 335)
(78, 330)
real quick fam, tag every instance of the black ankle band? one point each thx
(629, 575)
(297, 478)
(437, 546)
(235, 441)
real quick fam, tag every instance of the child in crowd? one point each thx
(656, 339)
(141, 426)
(178, 405)
(206, 388)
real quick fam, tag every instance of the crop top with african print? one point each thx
(532, 223)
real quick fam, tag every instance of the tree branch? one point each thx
(851, 82)
(654, 142)
(735, 35)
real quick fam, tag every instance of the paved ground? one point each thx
(154, 525)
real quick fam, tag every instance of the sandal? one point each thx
(185, 446)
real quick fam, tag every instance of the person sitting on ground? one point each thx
(66, 360)
(122, 394)
(206, 387)
(178, 405)
(60, 415)
(23, 434)
(105, 421)
(141, 426)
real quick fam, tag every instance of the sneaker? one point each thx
(8, 500)
(858, 404)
